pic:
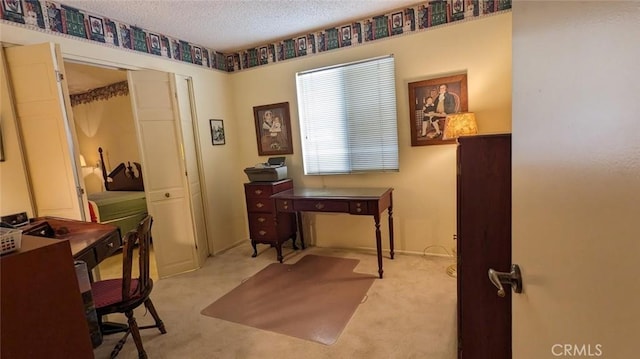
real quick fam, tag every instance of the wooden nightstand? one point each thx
(265, 224)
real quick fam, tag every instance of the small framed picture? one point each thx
(397, 20)
(156, 48)
(197, 55)
(217, 132)
(273, 129)
(13, 6)
(396, 23)
(97, 29)
(346, 36)
(302, 46)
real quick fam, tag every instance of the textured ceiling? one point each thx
(230, 25)
(82, 78)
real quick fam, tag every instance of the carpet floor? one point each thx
(411, 313)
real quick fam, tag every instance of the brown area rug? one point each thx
(312, 299)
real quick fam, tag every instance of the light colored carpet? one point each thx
(411, 313)
(278, 298)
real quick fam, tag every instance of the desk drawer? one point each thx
(359, 207)
(260, 205)
(322, 206)
(284, 205)
(106, 248)
(88, 257)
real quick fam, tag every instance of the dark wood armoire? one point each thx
(483, 242)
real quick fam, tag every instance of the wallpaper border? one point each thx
(70, 22)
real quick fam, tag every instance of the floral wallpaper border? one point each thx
(67, 21)
(101, 93)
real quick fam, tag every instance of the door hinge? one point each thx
(59, 76)
(80, 191)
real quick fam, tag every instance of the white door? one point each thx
(47, 131)
(576, 179)
(192, 164)
(165, 181)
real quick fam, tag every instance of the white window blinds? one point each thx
(348, 118)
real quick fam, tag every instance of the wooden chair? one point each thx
(124, 294)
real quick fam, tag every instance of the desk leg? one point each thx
(390, 210)
(379, 244)
(299, 220)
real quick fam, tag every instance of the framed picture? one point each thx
(197, 55)
(217, 132)
(156, 48)
(14, 6)
(346, 36)
(302, 46)
(396, 23)
(273, 129)
(97, 29)
(263, 56)
(429, 103)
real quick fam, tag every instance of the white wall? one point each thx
(425, 188)
(576, 178)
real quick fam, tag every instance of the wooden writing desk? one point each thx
(355, 201)
(90, 242)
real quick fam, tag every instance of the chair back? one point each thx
(457, 100)
(142, 236)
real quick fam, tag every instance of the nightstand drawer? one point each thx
(260, 205)
(259, 190)
(265, 190)
(261, 219)
(263, 232)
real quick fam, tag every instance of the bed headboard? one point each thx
(123, 177)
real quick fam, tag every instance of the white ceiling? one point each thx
(233, 25)
(82, 78)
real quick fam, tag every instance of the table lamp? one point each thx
(459, 124)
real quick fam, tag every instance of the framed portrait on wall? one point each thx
(217, 132)
(273, 129)
(430, 101)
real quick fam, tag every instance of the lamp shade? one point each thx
(460, 124)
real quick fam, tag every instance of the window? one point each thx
(348, 121)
